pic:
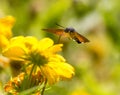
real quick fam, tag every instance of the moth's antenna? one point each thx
(59, 25)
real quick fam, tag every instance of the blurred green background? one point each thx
(97, 63)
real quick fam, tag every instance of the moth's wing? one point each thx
(59, 32)
(78, 37)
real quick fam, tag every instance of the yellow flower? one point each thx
(16, 84)
(41, 54)
(6, 25)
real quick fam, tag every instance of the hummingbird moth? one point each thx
(69, 32)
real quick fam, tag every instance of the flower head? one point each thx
(40, 56)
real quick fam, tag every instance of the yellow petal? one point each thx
(56, 58)
(64, 70)
(7, 21)
(17, 40)
(3, 41)
(50, 74)
(55, 48)
(15, 53)
(30, 41)
(6, 26)
(45, 43)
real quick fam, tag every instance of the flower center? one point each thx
(37, 58)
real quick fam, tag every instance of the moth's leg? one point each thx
(59, 39)
(70, 36)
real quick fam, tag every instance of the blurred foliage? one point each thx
(97, 63)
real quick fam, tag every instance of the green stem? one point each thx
(42, 93)
(30, 76)
(32, 70)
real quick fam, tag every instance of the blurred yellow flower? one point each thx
(6, 25)
(42, 54)
(80, 92)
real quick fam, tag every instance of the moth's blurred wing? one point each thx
(59, 32)
(78, 37)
